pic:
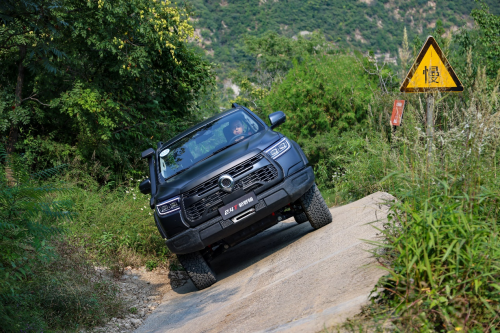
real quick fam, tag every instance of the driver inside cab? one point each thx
(236, 127)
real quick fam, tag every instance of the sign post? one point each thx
(430, 121)
(431, 72)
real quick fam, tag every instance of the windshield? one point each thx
(207, 141)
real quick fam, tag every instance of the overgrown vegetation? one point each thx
(95, 80)
(32, 297)
(90, 84)
(74, 90)
(442, 244)
(443, 237)
(115, 226)
(356, 25)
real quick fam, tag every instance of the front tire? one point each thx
(198, 270)
(315, 208)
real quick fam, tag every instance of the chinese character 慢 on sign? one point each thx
(432, 74)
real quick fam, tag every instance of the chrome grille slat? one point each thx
(233, 172)
(214, 201)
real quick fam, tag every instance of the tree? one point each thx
(26, 38)
(105, 78)
(323, 93)
(489, 26)
(275, 54)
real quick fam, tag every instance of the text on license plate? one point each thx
(238, 205)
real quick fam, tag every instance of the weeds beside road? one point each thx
(52, 236)
(442, 248)
(115, 226)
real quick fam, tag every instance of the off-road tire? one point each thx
(300, 218)
(315, 208)
(198, 270)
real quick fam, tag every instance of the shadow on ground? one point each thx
(253, 250)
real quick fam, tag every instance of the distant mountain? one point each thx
(375, 25)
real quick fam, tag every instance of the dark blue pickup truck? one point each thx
(225, 180)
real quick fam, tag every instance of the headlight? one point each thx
(169, 206)
(278, 149)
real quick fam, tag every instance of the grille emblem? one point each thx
(226, 183)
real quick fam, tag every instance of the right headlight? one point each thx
(278, 149)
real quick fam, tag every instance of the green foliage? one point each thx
(442, 245)
(379, 23)
(74, 298)
(275, 54)
(489, 27)
(323, 93)
(116, 227)
(250, 95)
(24, 221)
(151, 264)
(114, 78)
(32, 298)
(348, 166)
(446, 257)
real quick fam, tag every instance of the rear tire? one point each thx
(315, 208)
(300, 218)
(198, 270)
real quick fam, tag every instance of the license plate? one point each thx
(238, 206)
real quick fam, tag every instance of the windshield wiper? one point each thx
(179, 172)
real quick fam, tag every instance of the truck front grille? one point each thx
(233, 172)
(249, 183)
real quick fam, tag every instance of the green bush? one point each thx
(349, 166)
(445, 250)
(323, 93)
(76, 297)
(115, 226)
(24, 223)
(32, 296)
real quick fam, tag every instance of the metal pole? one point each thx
(430, 121)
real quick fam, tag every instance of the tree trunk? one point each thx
(14, 129)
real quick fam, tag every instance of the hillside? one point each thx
(375, 25)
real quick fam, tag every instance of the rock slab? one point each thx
(288, 278)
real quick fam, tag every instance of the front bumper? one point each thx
(216, 229)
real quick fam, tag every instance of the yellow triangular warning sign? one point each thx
(431, 71)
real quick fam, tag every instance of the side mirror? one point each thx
(145, 186)
(277, 118)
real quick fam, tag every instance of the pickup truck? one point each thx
(225, 180)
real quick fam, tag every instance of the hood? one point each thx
(214, 165)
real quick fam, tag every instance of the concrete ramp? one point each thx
(289, 278)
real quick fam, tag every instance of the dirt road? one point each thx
(288, 278)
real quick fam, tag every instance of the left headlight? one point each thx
(279, 148)
(169, 206)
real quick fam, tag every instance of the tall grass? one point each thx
(442, 246)
(444, 249)
(45, 283)
(115, 226)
